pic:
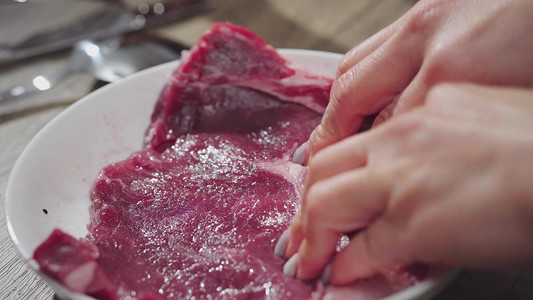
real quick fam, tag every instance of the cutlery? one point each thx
(106, 61)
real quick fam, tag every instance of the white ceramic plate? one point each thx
(56, 170)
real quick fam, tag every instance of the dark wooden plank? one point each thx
(334, 26)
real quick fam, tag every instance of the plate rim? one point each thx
(424, 288)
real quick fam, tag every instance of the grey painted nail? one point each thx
(289, 269)
(299, 154)
(281, 245)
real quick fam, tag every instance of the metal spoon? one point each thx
(105, 61)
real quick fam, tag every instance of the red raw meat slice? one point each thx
(73, 262)
(197, 212)
(229, 55)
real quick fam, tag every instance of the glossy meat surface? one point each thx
(226, 61)
(202, 216)
(197, 212)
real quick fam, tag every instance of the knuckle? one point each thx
(438, 93)
(413, 121)
(353, 57)
(344, 64)
(329, 129)
(340, 91)
(317, 138)
(438, 63)
(337, 93)
(317, 196)
(424, 15)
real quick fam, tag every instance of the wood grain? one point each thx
(334, 26)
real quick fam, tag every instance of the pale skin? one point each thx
(478, 41)
(444, 177)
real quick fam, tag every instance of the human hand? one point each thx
(484, 42)
(448, 183)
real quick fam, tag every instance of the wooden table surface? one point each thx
(334, 26)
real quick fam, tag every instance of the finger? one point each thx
(364, 49)
(414, 95)
(386, 113)
(365, 89)
(295, 236)
(373, 250)
(457, 102)
(341, 157)
(358, 53)
(484, 104)
(340, 204)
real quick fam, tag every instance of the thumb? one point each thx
(363, 90)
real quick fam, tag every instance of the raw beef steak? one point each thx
(197, 212)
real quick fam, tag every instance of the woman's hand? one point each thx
(484, 42)
(447, 183)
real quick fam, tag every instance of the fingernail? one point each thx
(299, 154)
(326, 274)
(289, 269)
(281, 245)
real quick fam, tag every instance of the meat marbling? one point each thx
(196, 213)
